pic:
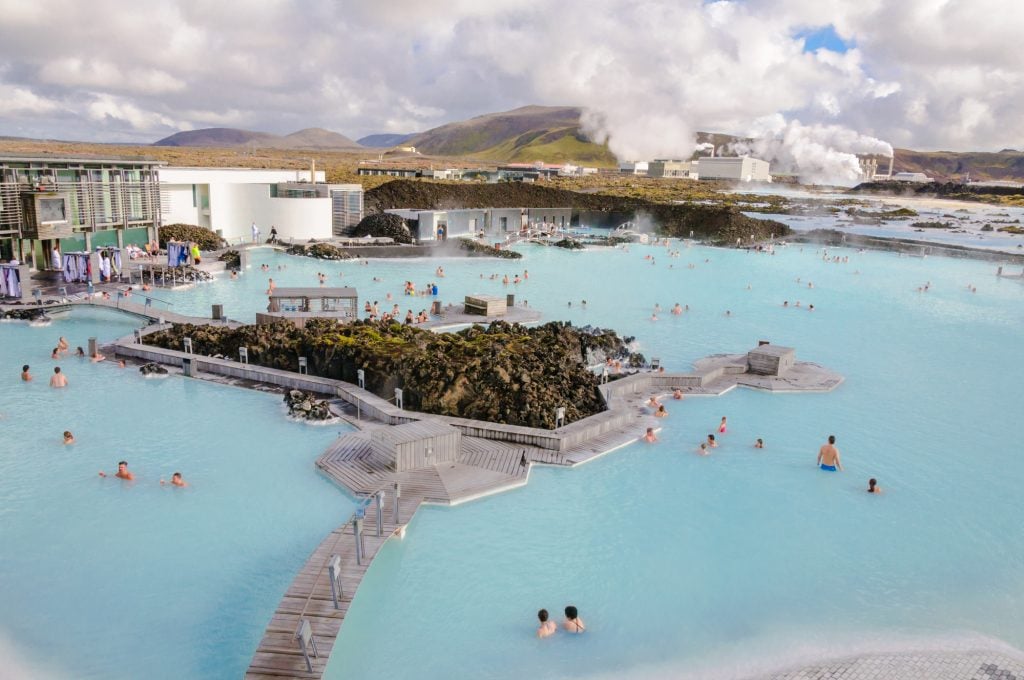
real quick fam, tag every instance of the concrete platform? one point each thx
(953, 665)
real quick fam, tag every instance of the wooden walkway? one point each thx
(309, 597)
(150, 313)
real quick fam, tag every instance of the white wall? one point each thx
(744, 169)
(176, 205)
(234, 207)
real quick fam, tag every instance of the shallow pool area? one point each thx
(745, 561)
(102, 578)
(683, 566)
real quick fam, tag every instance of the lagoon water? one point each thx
(682, 566)
(106, 579)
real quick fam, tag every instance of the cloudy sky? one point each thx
(850, 75)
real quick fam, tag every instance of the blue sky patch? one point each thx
(823, 37)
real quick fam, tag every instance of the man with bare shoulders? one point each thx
(573, 623)
(25, 375)
(58, 379)
(122, 472)
(828, 456)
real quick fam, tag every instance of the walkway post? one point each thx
(334, 570)
(398, 494)
(357, 532)
(380, 513)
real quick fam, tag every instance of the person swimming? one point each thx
(828, 456)
(677, 393)
(873, 486)
(25, 375)
(703, 449)
(661, 412)
(176, 480)
(711, 442)
(122, 472)
(573, 623)
(721, 426)
(649, 436)
(653, 402)
(68, 437)
(546, 628)
(58, 379)
(759, 444)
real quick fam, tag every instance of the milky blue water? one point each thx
(101, 578)
(746, 560)
(682, 566)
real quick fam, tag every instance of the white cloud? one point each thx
(19, 100)
(921, 73)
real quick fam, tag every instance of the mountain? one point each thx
(1007, 164)
(384, 140)
(214, 137)
(531, 133)
(310, 138)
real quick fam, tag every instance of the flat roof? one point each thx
(314, 292)
(83, 158)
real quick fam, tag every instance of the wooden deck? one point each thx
(309, 597)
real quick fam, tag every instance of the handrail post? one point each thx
(380, 512)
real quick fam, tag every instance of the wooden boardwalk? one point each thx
(141, 310)
(309, 597)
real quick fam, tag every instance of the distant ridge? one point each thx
(530, 133)
(384, 140)
(310, 138)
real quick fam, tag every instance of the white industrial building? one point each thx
(438, 225)
(737, 168)
(633, 167)
(230, 200)
(918, 177)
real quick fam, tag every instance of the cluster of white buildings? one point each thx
(735, 168)
(440, 225)
(298, 204)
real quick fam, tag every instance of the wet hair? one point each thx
(24, 369)
(176, 474)
(571, 613)
(543, 615)
(831, 439)
(760, 441)
(711, 437)
(122, 462)
(871, 484)
(56, 369)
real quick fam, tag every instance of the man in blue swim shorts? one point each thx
(828, 456)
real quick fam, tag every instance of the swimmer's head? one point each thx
(67, 434)
(872, 483)
(121, 465)
(542, 615)
(176, 475)
(831, 439)
(711, 437)
(571, 613)
(24, 369)
(56, 369)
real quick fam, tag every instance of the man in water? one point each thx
(828, 456)
(25, 375)
(573, 623)
(122, 472)
(176, 480)
(58, 379)
(649, 436)
(546, 627)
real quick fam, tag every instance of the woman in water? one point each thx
(873, 486)
(721, 426)
(661, 412)
(68, 437)
(759, 444)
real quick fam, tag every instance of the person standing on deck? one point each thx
(255, 233)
